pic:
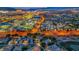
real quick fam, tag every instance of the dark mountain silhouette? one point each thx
(46, 8)
(7, 8)
(37, 8)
